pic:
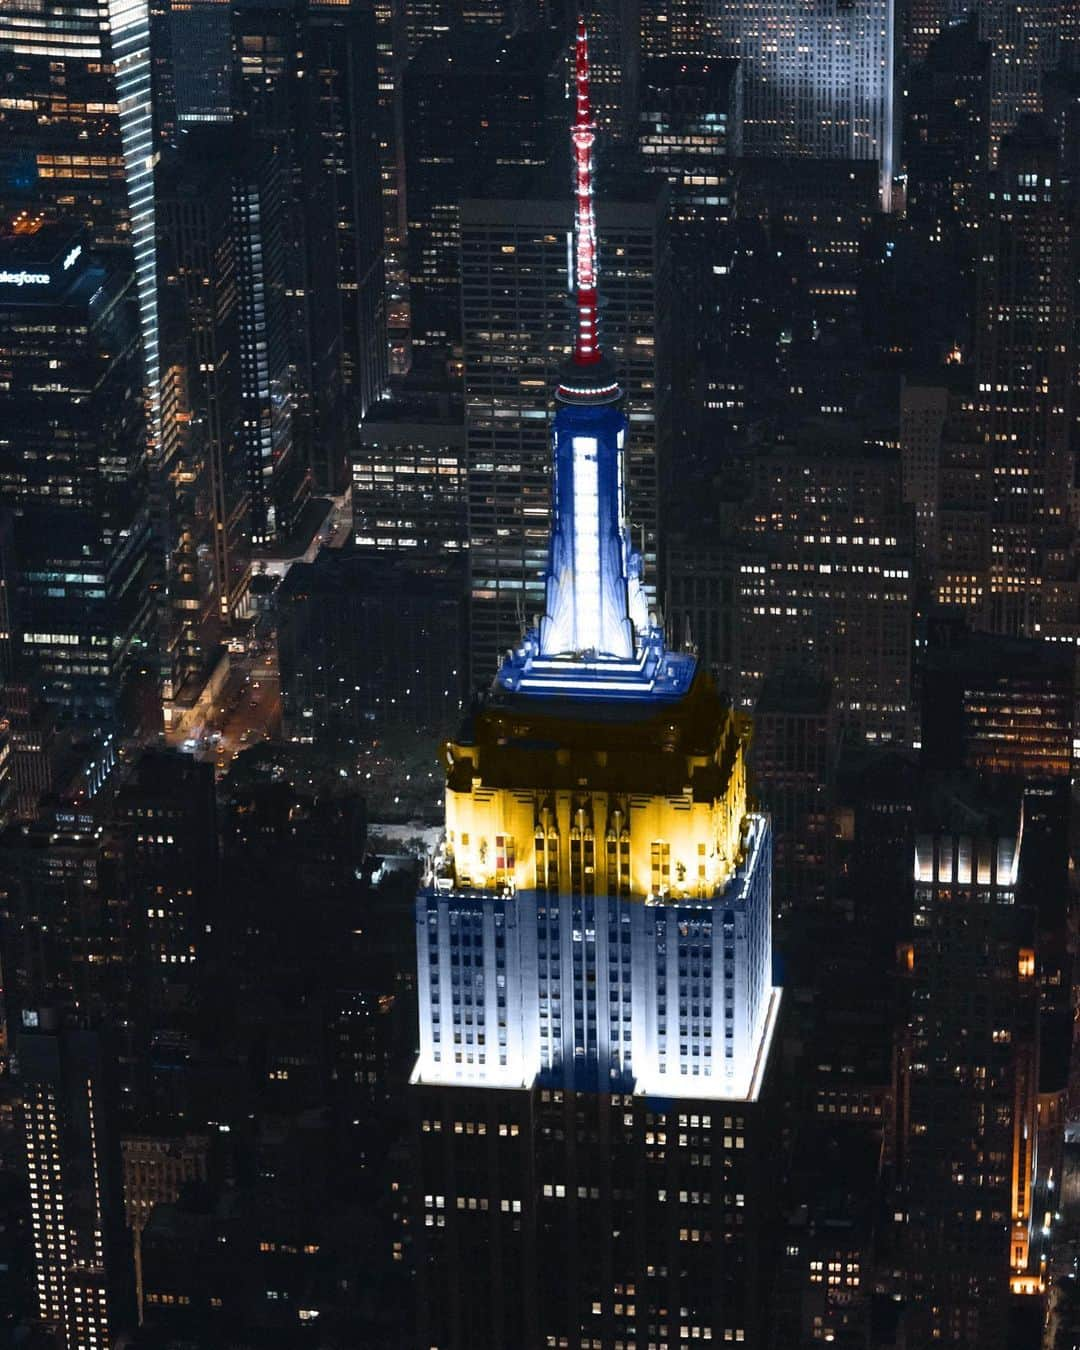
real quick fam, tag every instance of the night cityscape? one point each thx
(539, 703)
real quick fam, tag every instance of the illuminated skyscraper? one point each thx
(594, 948)
(80, 1256)
(818, 78)
(78, 136)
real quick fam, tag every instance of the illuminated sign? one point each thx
(24, 278)
(71, 258)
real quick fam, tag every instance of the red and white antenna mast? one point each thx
(587, 345)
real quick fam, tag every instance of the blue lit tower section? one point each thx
(595, 634)
(598, 916)
(593, 578)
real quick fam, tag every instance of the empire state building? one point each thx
(594, 958)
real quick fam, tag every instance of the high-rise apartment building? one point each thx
(594, 949)
(818, 79)
(514, 296)
(1023, 337)
(73, 471)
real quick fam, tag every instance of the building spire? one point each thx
(582, 136)
(588, 376)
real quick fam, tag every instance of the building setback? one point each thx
(592, 1097)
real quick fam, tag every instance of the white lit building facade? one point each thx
(818, 77)
(594, 956)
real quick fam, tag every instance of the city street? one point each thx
(247, 711)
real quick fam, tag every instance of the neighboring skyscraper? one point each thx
(923, 413)
(303, 74)
(514, 257)
(80, 1257)
(947, 130)
(340, 47)
(78, 135)
(192, 64)
(73, 471)
(819, 219)
(1024, 38)
(1023, 337)
(278, 483)
(474, 103)
(199, 260)
(616, 56)
(969, 1120)
(223, 228)
(171, 869)
(594, 948)
(676, 29)
(818, 78)
(690, 130)
(826, 577)
(795, 754)
(924, 20)
(409, 483)
(690, 133)
(998, 705)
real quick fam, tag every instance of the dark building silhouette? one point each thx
(794, 763)
(1024, 383)
(473, 103)
(355, 645)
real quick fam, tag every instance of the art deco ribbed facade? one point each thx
(594, 953)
